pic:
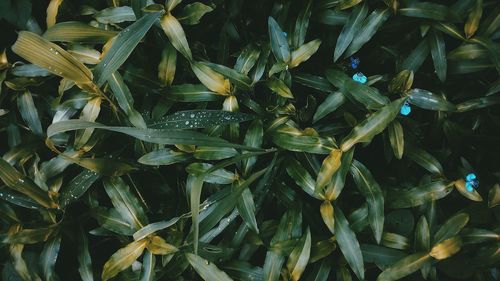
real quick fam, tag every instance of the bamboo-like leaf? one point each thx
(192, 13)
(348, 244)
(373, 125)
(289, 139)
(417, 57)
(279, 42)
(472, 23)
(52, 11)
(446, 248)
(428, 10)
(332, 17)
(89, 113)
(199, 119)
(115, 15)
(211, 79)
(494, 196)
(159, 246)
(207, 270)
(191, 93)
(195, 184)
(253, 138)
(304, 52)
(29, 112)
(75, 32)
(15, 180)
(417, 196)
(247, 59)
(50, 56)
(395, 241)
(472, 195)
(370, 26)
(338, 181)
(327, 214)
(329, 166)
(427, 100)
(29, 70)
(364, 94)
(477, 235)
(176, 35)
(423, 159)
(84, 259)
(438, 53)
(351, 27)
(332, 102)
(402, 82)
(48, 258)
(113, 221)
(279, 87)
(163, 157)
(125, 100)
(370, 189)
(148, 267)
(159, 136)
(167, 66)
(405, 267)
(301, 25)
(301, 177)
(122, 47)
(246, 209)
(154, 227)
(312, 81)
(218, 176)
(122, 259)
(396, 138)
(299, 257)
(125, 202)
(383, 257)
(451, 227)
(238, 79)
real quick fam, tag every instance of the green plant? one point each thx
(240, 140)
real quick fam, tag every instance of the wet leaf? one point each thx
(74, 32)
(207, 270)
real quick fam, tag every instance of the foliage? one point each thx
(226, 140)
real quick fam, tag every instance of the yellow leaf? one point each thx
(176, 35)
(158, 246)
(330, 165)
(304, 52)
(447, 248)
(472, 195)
(473, 20)
(50, 56)
(326, 211)
(52, 10)
(123, 258)
(211, 79)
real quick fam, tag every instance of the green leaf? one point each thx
(18, 182)
(122, 47)
(301, 25)
(214, 153)
(246, 209)
(163, 157)
(478, 103)
(438, 53)
(194, 184)
(427, 100)
(75, 32)
(211, 79)
(287, 138)
(279, 87)
(423, 159)
(191, 93)
(125, 100)
(348, 244)
(370, 26)
(301, 177)
(373, 125)
(416, 196)
(115, 15)
(84, 259)
(417, 57)
(176, 35)
(477, 235)
(351, 27)
(192, 13)
(451, 227)
(113, 221)
(370, 189)
(159, 136)
(122, 259)
(304, 52)
(238, 79)
(207, 270)
(154, 227)
(364, 94)
(253, 138)
(148, 267)
(212, 175)
(77, 187)
(327, 214)
(247, 59)
(125, 202)
(338, 181)
(312, 81)
(328, 167)
(396, 138)
(332, 17)
(279, 43)
(48, 258)
(428, 10)
(29, 112)
(405, 267)
(332, 102)
(199, 119)
(383, 257)
(299, 257)
(167, 66)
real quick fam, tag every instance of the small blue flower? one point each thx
(470, 177)
(360, 78)
(469, 187)
(354, 62)
(405, 109)
(471, 182)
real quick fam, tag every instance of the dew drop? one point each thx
(192, 115)
(187, 122)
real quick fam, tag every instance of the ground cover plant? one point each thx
(249, 140)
